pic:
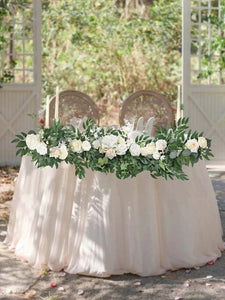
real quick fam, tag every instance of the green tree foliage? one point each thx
(4, 27)
(215, 60)
(94, 47)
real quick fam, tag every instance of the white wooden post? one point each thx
(23, 95)
(204, 99)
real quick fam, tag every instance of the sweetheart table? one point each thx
(100, 225)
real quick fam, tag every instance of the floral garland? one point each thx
(115, 151)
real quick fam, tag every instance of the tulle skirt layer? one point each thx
(101, 225)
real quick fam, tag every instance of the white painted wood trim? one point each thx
(185, 51)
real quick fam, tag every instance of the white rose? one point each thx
(32, 141)
(42, 148)
(192, 145)
(109, 141)
(135, 149)
(151, 148)
(76, 146)
(121, 149)
(86, 146)
(120, 140)
(144, 151)
(96, 144)
(110, 153)
(156, 155)
(161, 145)
(55, 152)
(202, 142)
(102, 150)
(63, 152)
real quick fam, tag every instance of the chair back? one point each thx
(72, 105)
(146, 104)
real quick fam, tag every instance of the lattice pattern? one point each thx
(204, 16)
(17, 55)
(74, 104)
(147, 104)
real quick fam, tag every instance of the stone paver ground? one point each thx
(206, 283)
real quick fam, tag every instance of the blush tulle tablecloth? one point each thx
(101, 225)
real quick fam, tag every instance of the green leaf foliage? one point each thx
(168, 164)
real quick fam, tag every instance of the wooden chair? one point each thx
(148, 104)
(74, 104)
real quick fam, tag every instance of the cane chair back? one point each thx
(72, 105)
(146, 104)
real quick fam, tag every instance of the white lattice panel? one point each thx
(23, 96)
(204, 98)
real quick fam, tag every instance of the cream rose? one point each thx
(109, 141)
(151, 147)
(96, 144)
(63, 152)
(121, 149)
(32, 140)
(192, 145)
(144, 151)
(54, 152)
(86, 146)
(42, 148)
(135, 149)
(76, 146)
(110, 153)
(156, 155)
(202, 142)
(120, 140)
(161, 145)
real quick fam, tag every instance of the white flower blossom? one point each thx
(59, 152)
(135, 149)
(161, 145)
(96, 144)
(156, 155)
(32, 141)
(151, 147)
(109, 141)
(192, 145)
(110, 153)
(42, 148)
(55, 152)
(121, 149)
(202, 142)
(102, 150)
(120, 140)
(144, 151)
(86, 146)
(76, 146)
(63, 152)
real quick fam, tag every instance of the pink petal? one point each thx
(208, 284)
(138, 283)
(186, 284)
(188, 271)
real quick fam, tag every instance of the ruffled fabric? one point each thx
(101, 225)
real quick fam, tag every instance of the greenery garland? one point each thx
(115, 151)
